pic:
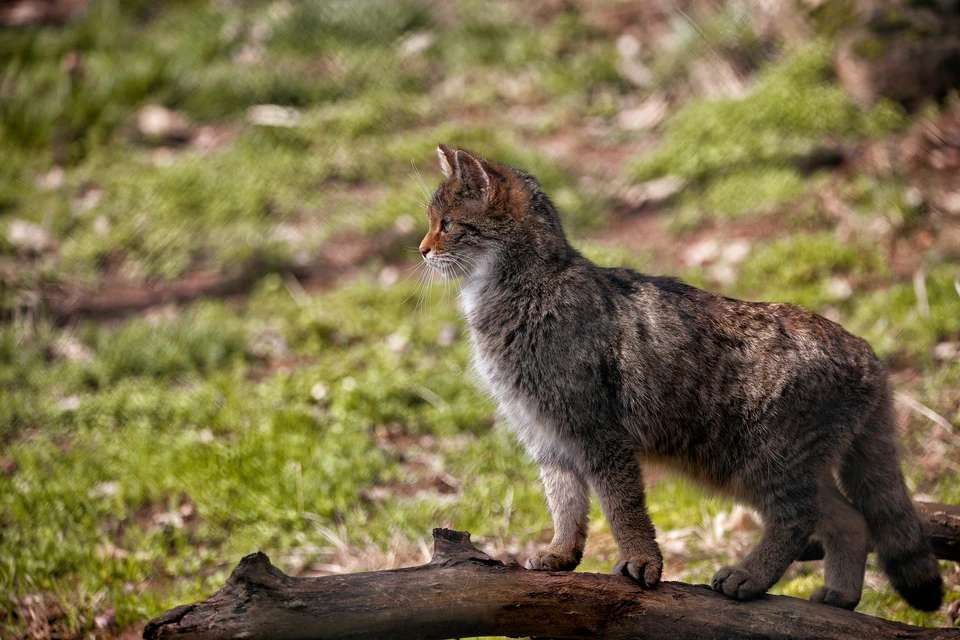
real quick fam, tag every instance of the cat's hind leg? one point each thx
(569, 501)
(843, 531)
(790, 513)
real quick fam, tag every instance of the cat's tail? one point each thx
(871, 477)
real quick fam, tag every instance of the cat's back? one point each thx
(701, 335)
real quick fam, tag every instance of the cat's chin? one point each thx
(446, 271)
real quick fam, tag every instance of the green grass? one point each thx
(800, 268)
(170, 413)
(742, 154)
(792, 107)
(749, 191)
(284, 199)
(275, 196)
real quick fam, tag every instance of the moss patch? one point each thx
(742, 153)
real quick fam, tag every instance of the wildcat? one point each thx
(602, 370)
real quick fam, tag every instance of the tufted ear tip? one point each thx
(447, 159)
(471, 172)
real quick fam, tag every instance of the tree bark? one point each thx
(463, 592)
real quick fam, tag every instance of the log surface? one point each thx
(463, 592)
(941, 522)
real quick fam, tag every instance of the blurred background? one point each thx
(212, 340)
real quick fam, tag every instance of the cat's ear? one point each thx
(447, 160)
(472, 175)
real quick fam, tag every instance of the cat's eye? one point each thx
(446, 225)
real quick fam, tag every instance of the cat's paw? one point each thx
(835, 598)
(548, 560)
(738, 584)
(644, 570)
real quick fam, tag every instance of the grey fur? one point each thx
(602, 370)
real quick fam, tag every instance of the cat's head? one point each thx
(483, 212)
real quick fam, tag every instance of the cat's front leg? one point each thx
(569, 503)
(618, 481)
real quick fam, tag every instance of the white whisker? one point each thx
(420, 281)
(412, 271)
(423, 185)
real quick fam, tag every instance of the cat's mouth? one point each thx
(448, 266)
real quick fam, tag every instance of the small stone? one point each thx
(269, 343)
(169, 519)
(272, 115)
(645, 117)
(448, 335)
(249, 54)
(735, 251)
(28, 237)
(946, 351)
(831, 313)
(416, 44)
(722, 273)
(405, 224)
(674, 549)
(654, 191)
(88, 199)
(70, 348)
(840, 287)
(107, 489)
(636, 73)
(912, 197)
(628, 46)
(739, 519)
(949, 203)
(288, 234)
(629, 64)
(397, 343)
(110, 551)
(105, 620)
(101, 225)
(52, 179)
(70, 403)
(319, 391)
(701, 252)
(717, 78)
(157, 122)
(213, 137)
(388, 276)
(376, 494)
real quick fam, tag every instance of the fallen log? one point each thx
(941, 523)
(463, 592)
(65, 302)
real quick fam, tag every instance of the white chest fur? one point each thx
(538, 431)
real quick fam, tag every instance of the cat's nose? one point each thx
(424, 251)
